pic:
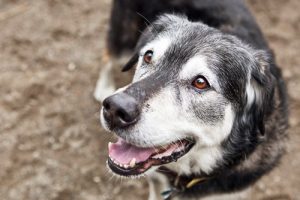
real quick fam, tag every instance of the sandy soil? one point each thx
(51, 143)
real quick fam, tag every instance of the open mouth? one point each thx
(126, 159)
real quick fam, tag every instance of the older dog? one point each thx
(206, 111)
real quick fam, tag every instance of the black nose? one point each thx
(120, 110)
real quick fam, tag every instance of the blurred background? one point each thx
(52, 146)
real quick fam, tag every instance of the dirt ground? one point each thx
(51, 143)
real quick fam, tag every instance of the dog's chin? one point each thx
(128, 160)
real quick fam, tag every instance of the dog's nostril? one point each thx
(124, 116)
(106, 105)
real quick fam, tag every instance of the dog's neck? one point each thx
(180, 183)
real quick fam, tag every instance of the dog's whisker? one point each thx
(189, 139)
(150, 24)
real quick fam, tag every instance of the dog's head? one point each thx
(198, 95)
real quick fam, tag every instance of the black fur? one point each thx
(130, 17)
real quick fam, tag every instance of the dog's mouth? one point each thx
(126, 159)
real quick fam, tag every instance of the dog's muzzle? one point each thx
(120, 110)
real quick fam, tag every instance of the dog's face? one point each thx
(192, 88)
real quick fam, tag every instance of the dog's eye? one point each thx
(200, 83)
(148, 56)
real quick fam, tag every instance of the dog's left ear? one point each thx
(261, 71)
(262, 82)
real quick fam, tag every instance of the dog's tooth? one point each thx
(126, 166)
(109, 145)
(132, 162)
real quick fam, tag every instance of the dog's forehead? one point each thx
(171, 50)
(176, 54)
(182, 53)
(160, 45)
(173, 47)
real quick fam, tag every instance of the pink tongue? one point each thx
(123, 152)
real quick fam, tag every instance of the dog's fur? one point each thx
(238, 124)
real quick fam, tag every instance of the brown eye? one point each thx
(200, 83)
(148, 56)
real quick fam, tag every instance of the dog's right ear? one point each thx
(144, 39)
(131, 63)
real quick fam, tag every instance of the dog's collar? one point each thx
(179, 184)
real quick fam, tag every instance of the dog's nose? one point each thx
(120, 110)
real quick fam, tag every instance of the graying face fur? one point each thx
(172, 108)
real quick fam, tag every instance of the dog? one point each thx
(205, 115)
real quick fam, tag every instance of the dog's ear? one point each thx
(262, 83)
(161, 24)
(146, 36)
(131, 63)
(261, 71)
